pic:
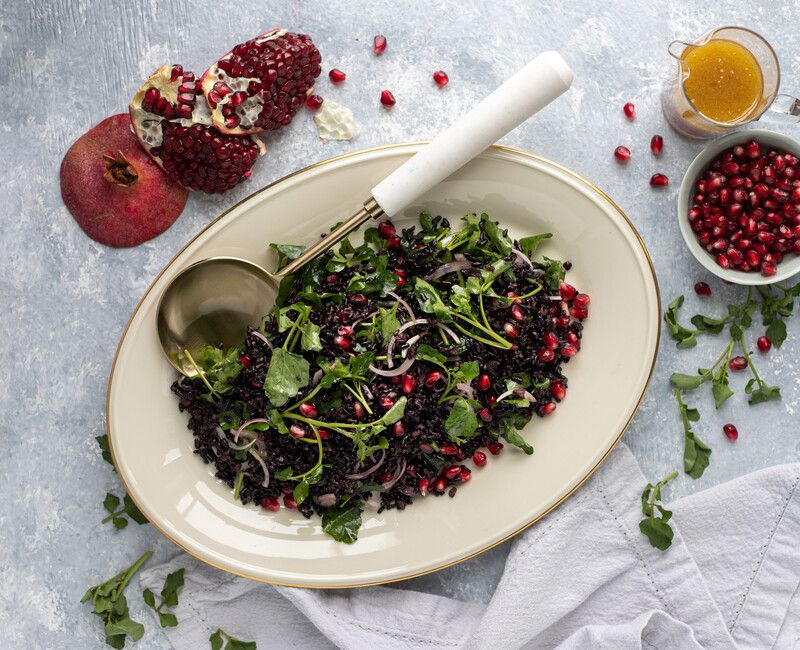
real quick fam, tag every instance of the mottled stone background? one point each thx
(64, 300)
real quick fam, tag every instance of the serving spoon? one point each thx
(213, 301)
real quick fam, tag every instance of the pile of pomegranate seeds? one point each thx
(746, 208)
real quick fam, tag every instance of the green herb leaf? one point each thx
(689, 382)
(530, 244)
(776, 333)
(466, 372)
(389, 323)
(287, 374)
(514, 438)
(500, 240)
(300, 492)
(658, 532)
(309, 339)
(149, 598)
(553, 274)
(426, 353)
(395, 414)
(686, 338)
(220, 637)
(430, 302)
(655, 525)
(111, 502)
(762, 393)
(167, 619)
(105, 450)
(286, 252)
(462, 422)
(133, 512)
(172, 587)
(696, 455)
(342, 523)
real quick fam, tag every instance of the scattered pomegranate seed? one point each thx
(659, 180)
(558, 390)
(337, 76)
(358, 411)
(479, 458)
(547, 408)
(550, 340)
(449, 450)
(569, 351)
(567, 291)
(511, 330)
(386, 230)
(393, 243)
(764, 344)
(441, 78)
(485, 415)
(314, 102)
(451, 472)
(629, 110)
(246, 360)
(516, 313)
(268, 503)
(464, 475)
(387, 99)
(345, 330)
(408, 383)
(495, 448)
(731, 432)
(342, 342)
(386, 402)
(358, 299)
(324, 434)
(578, 312)
(308, 410)
(296, 431)
(379, 44)
(702, 289)
(738, 363)
(433, 378)
(582, 300)
(546, 355)
(289, 502)
(492, 400)
(399, 429)
(422, 485)
(622, 154)
(439, 485)
(484, 382)
(657, 145)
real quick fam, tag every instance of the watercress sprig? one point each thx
(655, 525)
(220, 638)
(117, 515)
(169, 598)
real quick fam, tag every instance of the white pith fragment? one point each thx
(335, 122)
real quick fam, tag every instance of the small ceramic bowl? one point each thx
(791, 262)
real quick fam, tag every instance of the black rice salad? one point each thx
(386, 370)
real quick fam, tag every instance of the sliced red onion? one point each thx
(408, 345)
(460, 257)
(326, 500)
(181, 379)
(367, 391)
(316, 378)
(396, 476)
(356, 322)
(373, 501)
(259, 335)
(522, 257)
(555, 298)
(405, 305)
(358, 476)
(265, 482)
(242, 447)
(450, 267)
(450, 332)
(238, 431)
(401, 329)
(519, 392)
(395, 371)
(465, 390)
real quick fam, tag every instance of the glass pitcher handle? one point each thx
(786, 105)
(676, 48)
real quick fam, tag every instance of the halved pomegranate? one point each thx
(260, 84)
(173, 123)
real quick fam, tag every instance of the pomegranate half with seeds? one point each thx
(173, 122)
(260, 84)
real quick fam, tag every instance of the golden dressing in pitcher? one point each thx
(724, 82)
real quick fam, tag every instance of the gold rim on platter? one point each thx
(328, 161)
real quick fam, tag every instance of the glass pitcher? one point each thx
(684, 116)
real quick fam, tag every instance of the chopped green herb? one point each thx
(169, 598)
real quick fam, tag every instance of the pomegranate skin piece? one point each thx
(114, 190)
(260, 84)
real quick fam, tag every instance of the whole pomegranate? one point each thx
(116, 193)
(173, 122)
(260, 84)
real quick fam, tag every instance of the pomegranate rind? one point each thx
(185, 115)
(259, 85)
(117, 215)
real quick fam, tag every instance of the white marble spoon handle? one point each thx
(529, 90)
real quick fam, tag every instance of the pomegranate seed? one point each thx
(569, 351)
(358, 411)
(485, 415)
(308, 410)
(546, 355)
(314, 102)
(332, 278)
(297, 431)
(738, 363)
(324, 434)
(441, 78)
(386, 230)
(731, 432)
(386, 402)
(562, 322)
(345, 330)
(753, 149)
(550, 340)
(764, 344)
(629, 110)
(268, 503)
(479, 458)
(723, 260)
(492, 400)
(495, 448)
(387, 99)
(768, 269)
(393, 243)
(439, 485)
(399, 429)
(289, 502)
(659, 180)
(558, 390)
(433, 378)
(582, 300)
(449, 450)
(246, 360)
(422, 485)
(464, 475)
(451, 472)
(342, 342)
(622, 154)
(337, 76)
(484, 382)
(516, 313)
(702, 289)
(408, 383)
(567, 291)
(379, 44)
(657, 145)
(579, 313)
(358, 299)
(511, 330)
(547, 408)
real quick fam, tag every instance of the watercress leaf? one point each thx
(388, 321)
(209, 356)
(721, 392)
(430, 302)
(167, 619)
(371, 236)
(346, 248)
(342, 523)
(696, 455)
(395, 414)
(764, 393)
(462, 422)
(300, 492)
(499, 239)
(119, 522)
(689, 382)
(489, 276)
(426, 353)
(466, 372)
(530, 244)
(553, 274)
(287, 374)
(692, 414)
(111, 502)
(459, 296)
(236, 644)
(360, 364)
(284, 291)
(736, 332)
(283, 474)
(149, 598)
(473, 285)
(172, 587)
(657, 531)
(132, 511)
(105, 451)
(686, 338)
(125, 626)
(514, 438)
(286, 252)
(426, 221)
(708, 325)
(309, 339)
(216, 640)
(776, 333)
